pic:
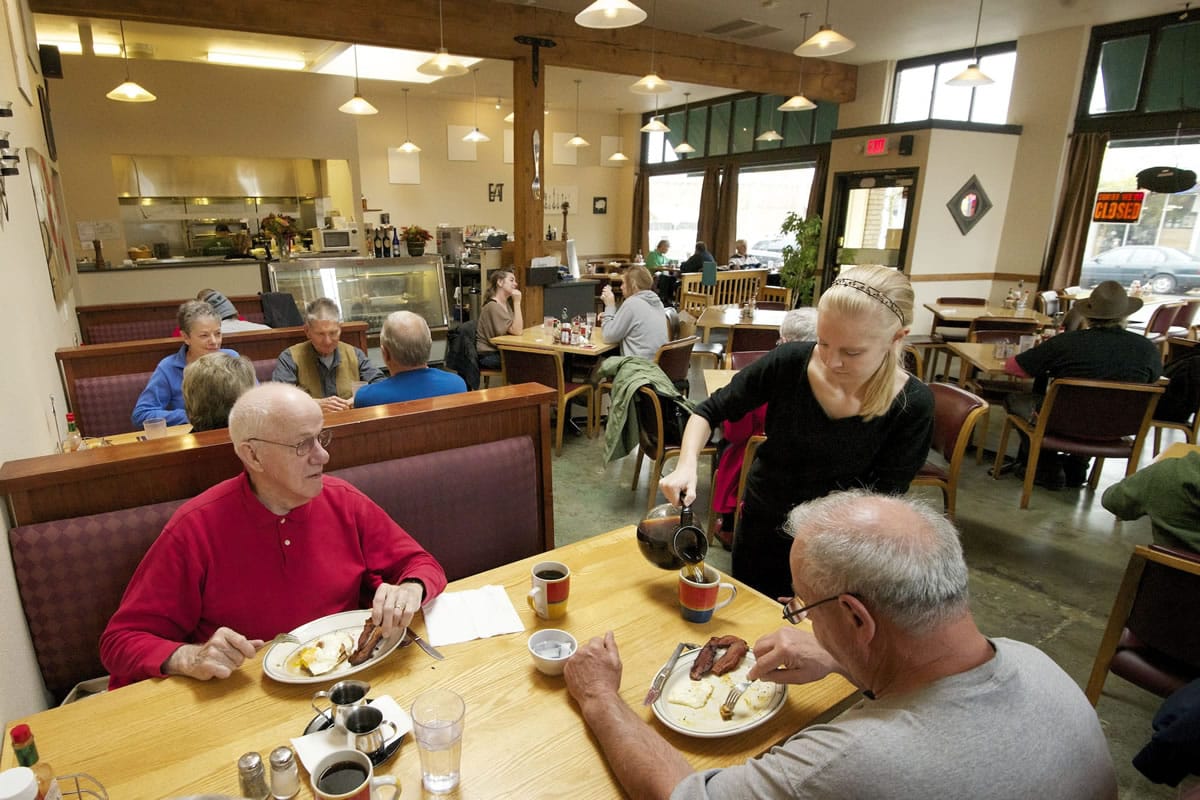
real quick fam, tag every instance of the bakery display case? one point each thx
(368, 289)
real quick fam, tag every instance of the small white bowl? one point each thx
(550, 649)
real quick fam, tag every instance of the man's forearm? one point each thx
(645, 763)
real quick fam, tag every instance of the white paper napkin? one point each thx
(315, 746)
(455, 617)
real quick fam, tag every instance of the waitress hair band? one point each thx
(872, 292)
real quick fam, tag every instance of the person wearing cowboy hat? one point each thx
(1103, 350)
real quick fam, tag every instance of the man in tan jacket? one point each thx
(324, 366)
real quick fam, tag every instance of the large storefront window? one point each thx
(765, 196)
(1161, 249)
(674, 209)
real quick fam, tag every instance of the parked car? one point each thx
(769, 252)
(1165, 270)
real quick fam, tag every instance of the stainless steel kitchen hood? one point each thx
(215, 176)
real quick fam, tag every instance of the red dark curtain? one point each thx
(710, 203)
(722, 244)
(1069, 238)
(640, 235)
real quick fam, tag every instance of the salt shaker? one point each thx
(252, 780)
(285, 779)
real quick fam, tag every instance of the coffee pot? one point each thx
(669, 537)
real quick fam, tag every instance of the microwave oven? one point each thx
(325, 240)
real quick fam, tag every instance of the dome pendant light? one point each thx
(618, 156)
(651, 83)
(577, 140)
(683, 148)
(972, 75)
(475, 135)
(798, 102)
(129, 91)
(357, 105)
(655, 125)
(825, 42)
(408, 146)
(442, 65)
(610, 14)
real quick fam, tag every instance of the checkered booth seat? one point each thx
(104, 406)
(90, 559)
(105, 332)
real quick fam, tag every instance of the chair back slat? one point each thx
(744, 358)
(1098, 410)
(752, 338)
(1163, 318)
(952, 408)
(675, 358)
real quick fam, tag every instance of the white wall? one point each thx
(37, 326)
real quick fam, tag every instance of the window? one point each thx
(765, 196)
(674, 209)
(921, 91)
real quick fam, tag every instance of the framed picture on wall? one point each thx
(599, 205)
(48, 200)
(16, 12)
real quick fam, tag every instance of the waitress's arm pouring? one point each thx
(682, 481)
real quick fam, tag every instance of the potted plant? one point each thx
(799, 271)
(415, 237)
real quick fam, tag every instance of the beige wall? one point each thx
(27, 422)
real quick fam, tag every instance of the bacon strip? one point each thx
(706, 660)
(367, 640)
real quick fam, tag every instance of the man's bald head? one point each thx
(267, 410)
(901, 557)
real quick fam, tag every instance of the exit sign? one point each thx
(1118, 207)
(876, 147)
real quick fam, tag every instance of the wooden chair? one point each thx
(751, 339)
(1179, 408)
(1104, 419)
(779, 297)
(752, 445)
(743, 358)
(1185, 318)
(951, 329)
(1151, 638)
(655, 441)
(486, 375)
(955, 413)
(1158, 327)
(535, 365)
(673, 358)
(995, 389)
(914, 362)
(695, 303)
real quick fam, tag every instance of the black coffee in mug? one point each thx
(342, 777)
(345, 695)
(550, 574)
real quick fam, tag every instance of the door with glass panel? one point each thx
(870, 220)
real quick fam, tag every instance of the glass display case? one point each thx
(368, 289)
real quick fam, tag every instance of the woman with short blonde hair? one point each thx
(640, 324)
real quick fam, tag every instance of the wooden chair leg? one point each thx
(1035, 453)
(561, 423)
(1116, 623)
(949, 492)
(1000, 448)
(980, 433)
(1094, 478)
(1157, 439)
(637, 469)
(655, 474)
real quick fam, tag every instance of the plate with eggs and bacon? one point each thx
(330, 647)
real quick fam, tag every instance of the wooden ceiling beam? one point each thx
(485, 29)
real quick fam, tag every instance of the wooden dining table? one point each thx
(944, 313)
(536, 336)
(133, 437)
(524, 737)
(730, 316)
(717, 379)
(977, 356)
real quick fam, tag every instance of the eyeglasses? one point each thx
(304, 446)
(795, 609)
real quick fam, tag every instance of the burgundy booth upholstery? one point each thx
(104, 406)
(105, 332)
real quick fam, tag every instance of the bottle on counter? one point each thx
(387, 244)
(549, 233)
(378, 243)
(564, 332)
(26, 753)
(73, 441)
(396, 241)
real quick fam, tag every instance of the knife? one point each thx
(424, 645)
(661, 678)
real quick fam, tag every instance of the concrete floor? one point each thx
(1047, 575)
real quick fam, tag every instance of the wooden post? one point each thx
(528, 103)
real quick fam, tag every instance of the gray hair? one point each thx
(193, 311)
(799, 325)
(901, 557)
(406, 338)
(211, 385)
(251, 416)
(322, 308)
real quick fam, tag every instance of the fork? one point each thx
(284, 638)
(732, 698)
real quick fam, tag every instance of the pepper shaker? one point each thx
(252, 780)
(285, 778)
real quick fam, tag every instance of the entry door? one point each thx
(870, 218)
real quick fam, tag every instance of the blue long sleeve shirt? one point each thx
(163, 395)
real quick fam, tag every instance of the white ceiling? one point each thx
(881, 31)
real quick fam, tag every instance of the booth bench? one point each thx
(121, 322)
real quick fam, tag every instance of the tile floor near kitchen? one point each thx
(1046, 576)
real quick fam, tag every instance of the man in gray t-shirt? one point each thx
(948, 712)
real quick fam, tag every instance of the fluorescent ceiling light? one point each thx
(383, 64)
(73, 47)
(255, 60)
(610, 14)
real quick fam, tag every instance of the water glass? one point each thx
(155, 428)
(437, 716)
(548, 328)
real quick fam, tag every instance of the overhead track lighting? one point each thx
(683, 148)
(618, 156)
(972, 75)
(129, 92)
(442, 65)
(610, 14)
(475, 135)
(408, 146)
(651, 83)
(357, 105)
(577, 140)
(825, 42)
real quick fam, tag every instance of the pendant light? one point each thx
(475, 135)
(798, 102)
(610, 14)
(357, 105)
(972, 75)
(771, 135)
(442, 65)
(825, 42)
(655, 125)
(129, 92)
(651, 83)
(683, 148)
(577, 140)
(618, 156)
(408, 146)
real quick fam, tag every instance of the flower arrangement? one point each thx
(415, 234)
(279, 226)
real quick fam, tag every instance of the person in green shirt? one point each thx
(658, 256)
(1169, 491)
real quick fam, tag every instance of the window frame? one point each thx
(970, 54)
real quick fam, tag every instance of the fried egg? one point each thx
(325, 653)
(693, 694)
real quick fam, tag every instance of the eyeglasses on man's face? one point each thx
(795, 609)
(304, 446)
